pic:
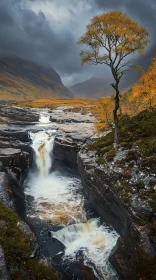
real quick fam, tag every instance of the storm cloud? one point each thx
(47, 31)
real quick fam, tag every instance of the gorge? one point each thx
(70, 235)
(66, 201)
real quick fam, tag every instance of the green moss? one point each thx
(17, 250)
(152, 201)
(151, 196)
(105, 150)
(100, 161)
(147, 146)
(132, 155)
(152, 234)
(40, 271)
(126, 173)
(111, 154)
(141, 125)
(146, 268)
(127, 145)
(140, 185)
(18, 275)
(101, 144)
(150, 162)
(139, 131)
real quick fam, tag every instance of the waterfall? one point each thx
(44, 118)
(56, 196)
(96, 242)
(42, 144)
(58, 199)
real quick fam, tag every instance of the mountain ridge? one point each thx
(94, 87)
(21, 79)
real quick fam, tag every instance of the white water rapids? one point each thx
(57, 199)
(44, 118)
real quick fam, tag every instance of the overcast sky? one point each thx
(47, 31)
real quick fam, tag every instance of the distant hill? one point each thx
(92, 88)
(98, 87)
(25, 80)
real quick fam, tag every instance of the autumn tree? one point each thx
(106, 106)
(109, 39)
(144, 91)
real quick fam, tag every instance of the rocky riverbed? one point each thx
(103, 185)
(72, 130)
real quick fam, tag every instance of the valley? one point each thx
(69, 199)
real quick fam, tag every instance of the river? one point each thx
(70, 234)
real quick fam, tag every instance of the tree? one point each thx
(107, 105)
(144, 91)
(110, 38)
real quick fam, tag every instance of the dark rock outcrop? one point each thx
(15, 115)
(65, 150)
(4, 275)
(101, 187)
(33, 240)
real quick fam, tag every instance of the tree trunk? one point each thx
(115, 114)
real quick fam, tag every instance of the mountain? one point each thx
(24, 80)
(98, 87)
(93, 88)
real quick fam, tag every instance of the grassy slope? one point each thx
(17, 248)
(138, 131)
(24, 80)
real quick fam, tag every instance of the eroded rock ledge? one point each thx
(101, 187)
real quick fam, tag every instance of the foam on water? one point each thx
(44, 118)
(96, 242)
(57, 198)
(42, 144)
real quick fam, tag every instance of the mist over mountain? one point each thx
(96, 87)
(25, 80)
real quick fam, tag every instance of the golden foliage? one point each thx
(132, 100)
(104, 113)
(144, 91)
(54, 103)
(102, 108)
(110, 38)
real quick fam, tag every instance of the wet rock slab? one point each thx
(61, 116)
(4, 275)
(16, 114)
(65, 150)
(5, 191)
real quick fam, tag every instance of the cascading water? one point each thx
(42, 144)
(44, 118)
(95, 240)
(58, 199)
